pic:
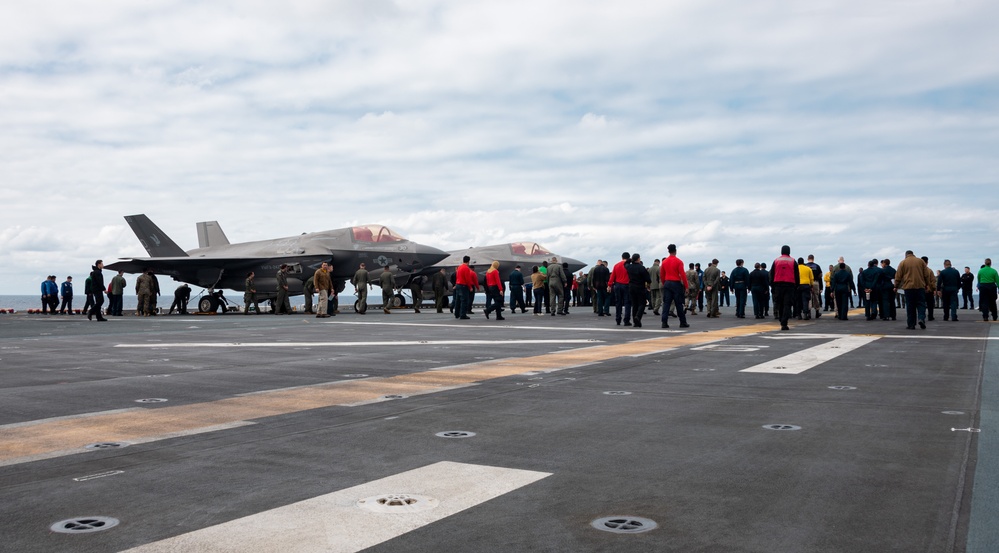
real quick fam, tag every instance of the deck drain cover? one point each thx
(952, 412)
(781, 427)
(393, 396)
(398, 503)
(455, 434)
(106, 445)
(357, 375)
(152, 400)
(842, 387)
(702, 370)
(624, 524)
(617, 393)
(84, 525)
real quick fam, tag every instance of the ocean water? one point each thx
(23, 303)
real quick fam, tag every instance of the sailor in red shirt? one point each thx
(465, 280)
(674, 281)
(494, 291)
(784, 279)
(618, 284)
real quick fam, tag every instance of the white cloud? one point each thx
(726, 127)
(593, 122)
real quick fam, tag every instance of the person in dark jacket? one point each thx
(415, 285)
(66, 291)
(516, 280)
(50, 295)
(872, 279)
(842, 283)
(739, 280)
(948, 285)
(888, 309)
(97, 290)
(967, 287)
(601, 276)
(638, 287)
(759, 282)
(181, 296)
(931, 293)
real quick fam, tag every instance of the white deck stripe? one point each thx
(797, 336)
(334, 522)
(800, 361)
(497, 326)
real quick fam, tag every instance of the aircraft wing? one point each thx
(170, 265)
(199, 271)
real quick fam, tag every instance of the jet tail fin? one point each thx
(210, 234)
(154, 240)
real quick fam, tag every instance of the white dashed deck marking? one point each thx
(800, 361)
(335, 523)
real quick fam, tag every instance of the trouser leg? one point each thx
(842, 302)
(758, 303)
(637, 299)
(324, 298)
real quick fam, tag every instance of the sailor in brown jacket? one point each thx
(910, 277)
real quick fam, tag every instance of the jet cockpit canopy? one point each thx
(374, 234)
(528, 248)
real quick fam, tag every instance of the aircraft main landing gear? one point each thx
(208, 304)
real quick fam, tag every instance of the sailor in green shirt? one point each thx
(987, 279)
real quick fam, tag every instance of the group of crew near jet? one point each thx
(671, 289)
(147, 289)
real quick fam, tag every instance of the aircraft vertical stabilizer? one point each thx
(154, 240)
(210, 235)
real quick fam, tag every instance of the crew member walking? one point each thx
(784, 280)
(66, 291)
(987, 280)
(675, 284)
(97, 290)
(639, 281)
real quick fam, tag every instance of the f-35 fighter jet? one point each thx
(218, 264)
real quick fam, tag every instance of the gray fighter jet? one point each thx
(525, 254)
(218, 264)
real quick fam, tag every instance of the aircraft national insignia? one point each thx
(382, 261)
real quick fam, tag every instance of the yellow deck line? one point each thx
(58, 437)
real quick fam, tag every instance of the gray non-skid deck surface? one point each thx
(875, 468)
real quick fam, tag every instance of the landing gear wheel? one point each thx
(398, 301)
(208, 304)
(357, 307)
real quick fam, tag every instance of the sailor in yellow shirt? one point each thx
(806, 277)
(830, 297)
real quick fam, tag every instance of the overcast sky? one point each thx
(728, 127)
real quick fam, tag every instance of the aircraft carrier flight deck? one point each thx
(423, 433)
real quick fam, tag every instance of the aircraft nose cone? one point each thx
(574, 264)
(429, 255)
